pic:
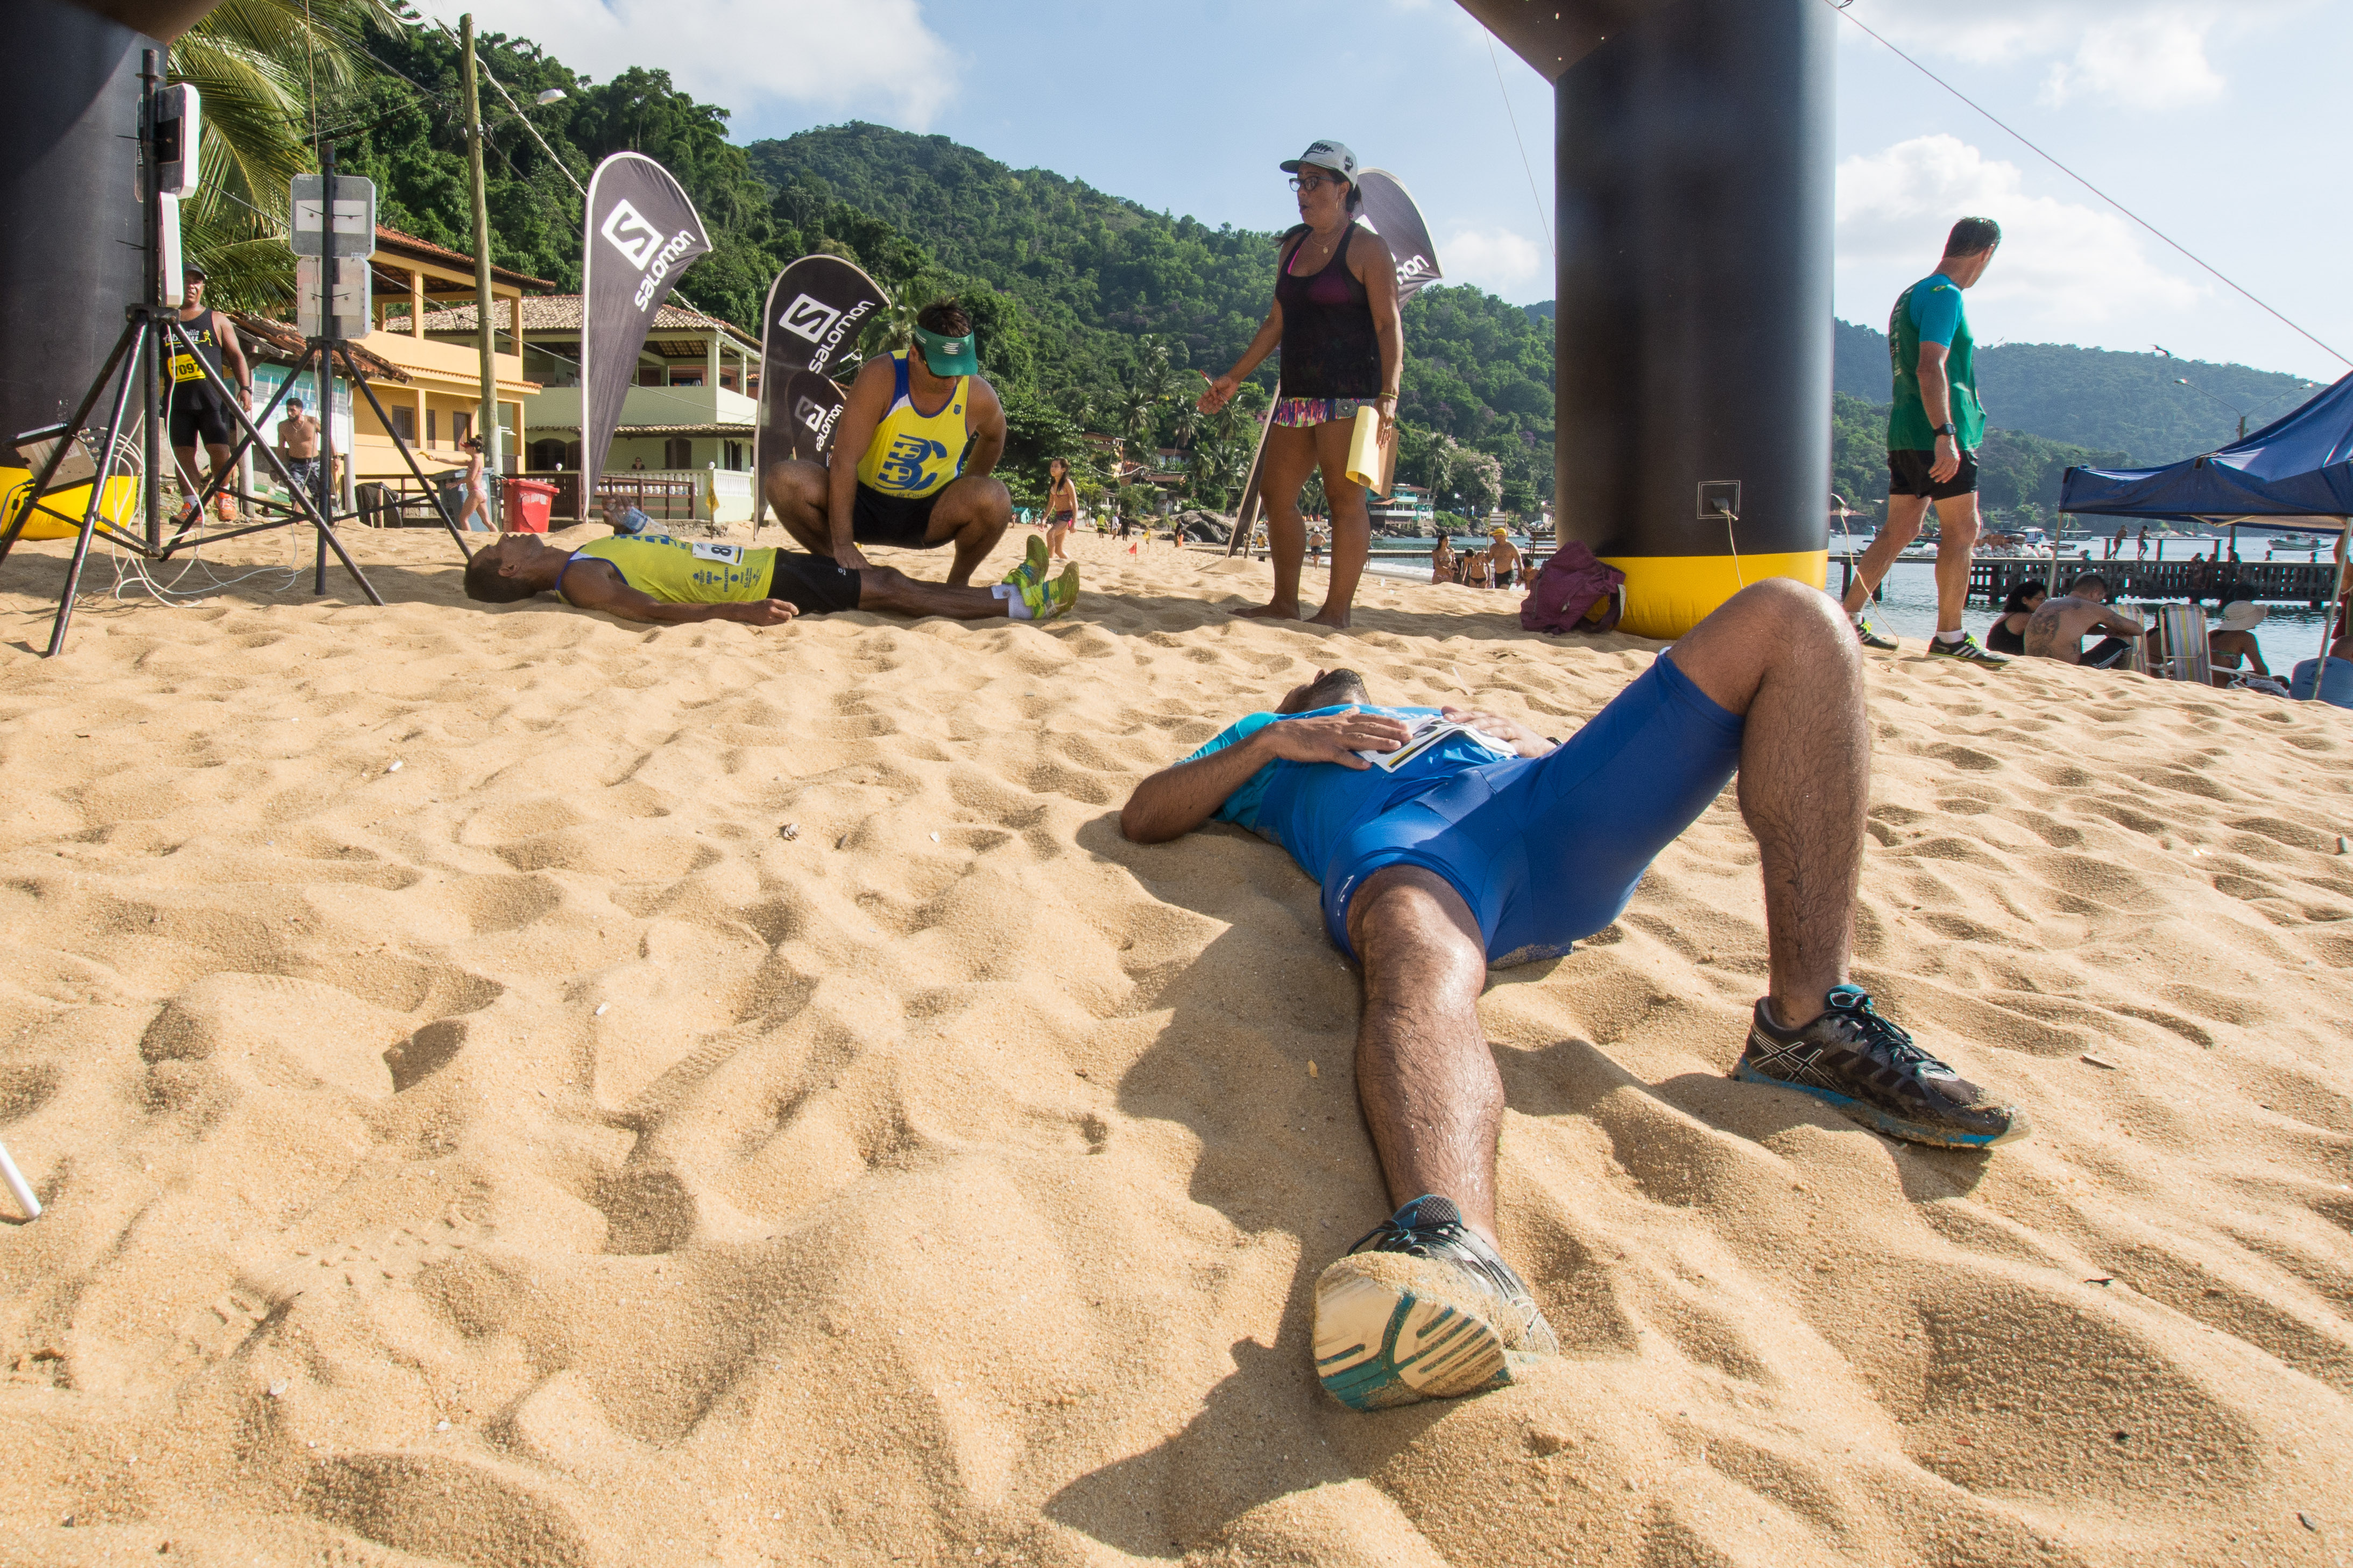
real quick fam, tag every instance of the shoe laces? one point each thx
(1880, 1035)
(1441, 1236)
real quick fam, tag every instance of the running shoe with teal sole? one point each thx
(1968, 651)
(1859, 1061)
(1422, 1307)
(1872, 636)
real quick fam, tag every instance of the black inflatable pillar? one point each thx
(1694, 162)
(71, 247)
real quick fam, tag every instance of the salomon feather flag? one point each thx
(642, 233)
(817, 307)
(1389, 210)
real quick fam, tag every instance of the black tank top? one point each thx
(181, 375)
(1328, 346)
(2000, 638)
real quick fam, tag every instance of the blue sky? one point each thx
(2213, 119)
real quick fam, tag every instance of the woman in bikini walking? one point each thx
(1061, 509)
(1336, 319)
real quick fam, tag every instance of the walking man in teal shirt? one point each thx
(1933, 434)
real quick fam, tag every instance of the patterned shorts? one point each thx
(1295, 412)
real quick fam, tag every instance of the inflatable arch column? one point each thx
(1694, 156)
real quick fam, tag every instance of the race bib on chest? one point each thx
(187, 367)
(730, 553)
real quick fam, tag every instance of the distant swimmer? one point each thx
(1450, 841)
(653, 577)
(1934, 430)
(914, 459)
(1335, 318)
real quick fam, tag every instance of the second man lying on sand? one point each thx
(1449, 842)
(653, 577)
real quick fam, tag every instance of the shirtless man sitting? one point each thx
(1448, 842)
(653, 577)
(2057, 629)
(913, 458)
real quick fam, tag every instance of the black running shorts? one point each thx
(196, 416)
(811, 583)
(1908, 475)
(878, 518)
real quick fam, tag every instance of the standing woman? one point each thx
(1061, 508)
(477, 488)
(1441, 561)
(1335, 317)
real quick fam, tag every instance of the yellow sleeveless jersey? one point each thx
(680, 572)
(914, 455)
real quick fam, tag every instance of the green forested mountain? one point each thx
(2119, 403)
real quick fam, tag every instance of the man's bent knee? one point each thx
(1413, 908)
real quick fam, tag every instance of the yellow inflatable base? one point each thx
(121, 506)
(1666, 595)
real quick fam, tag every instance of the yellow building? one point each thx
(434, 409)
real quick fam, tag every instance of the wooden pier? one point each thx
(2264, 581)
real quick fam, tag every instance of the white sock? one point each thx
(1015, 605)
(1950, 637)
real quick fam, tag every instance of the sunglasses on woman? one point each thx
(1315, 183)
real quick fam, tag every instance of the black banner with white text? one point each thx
(642, 233)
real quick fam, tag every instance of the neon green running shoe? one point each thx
(1033, 568)
(1047, 600)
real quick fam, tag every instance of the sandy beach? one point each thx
(515, 1088)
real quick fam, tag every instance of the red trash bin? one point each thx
(528, 503)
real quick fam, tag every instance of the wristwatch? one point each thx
(1946, 429)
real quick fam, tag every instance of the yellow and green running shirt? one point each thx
(683, 571)
(912, 454)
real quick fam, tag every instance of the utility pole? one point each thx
(486, 423)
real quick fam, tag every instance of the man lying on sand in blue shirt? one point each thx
(1447, 841)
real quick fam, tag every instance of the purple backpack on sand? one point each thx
(1573, 593)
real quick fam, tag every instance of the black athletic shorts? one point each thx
(196, 416)
(811, 583)
(878, 518)
(1908, 475)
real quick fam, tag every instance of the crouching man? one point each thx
(653, 577)
(1447, 841)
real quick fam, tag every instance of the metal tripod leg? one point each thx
(133, 330)
(97, 497)
(407, 455)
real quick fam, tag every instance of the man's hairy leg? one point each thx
(1781, 656)
(1957, 539)
(796, 492)
(1904, 516)
(973, 513)
(1427, 1083)
(887, 588)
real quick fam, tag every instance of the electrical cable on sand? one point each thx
(1841, 7)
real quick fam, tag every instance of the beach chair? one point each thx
(2181, 635)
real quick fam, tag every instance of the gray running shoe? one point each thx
(1872, 636)
(1968, 650)
(1423, 1308)
(1861, 1062)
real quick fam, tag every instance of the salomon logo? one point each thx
(631, 234)
(807, 318)
(809, 412)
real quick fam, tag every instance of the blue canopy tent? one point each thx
(2296, 473)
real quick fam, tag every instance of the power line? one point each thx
(1841, 6)
(1542, 216)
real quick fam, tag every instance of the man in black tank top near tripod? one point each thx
(1336, 316)
(190, 407)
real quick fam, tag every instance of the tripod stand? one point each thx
(151, 334)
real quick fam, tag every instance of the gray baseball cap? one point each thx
(1327, 154)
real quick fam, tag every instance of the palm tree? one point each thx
(261, 65)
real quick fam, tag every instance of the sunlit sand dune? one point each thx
(513, 1088)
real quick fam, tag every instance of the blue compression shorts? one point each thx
(1549, 849)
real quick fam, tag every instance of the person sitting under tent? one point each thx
(653, 577)
(2335, 681)
(2057, 629)
(1448, 842)
(913, 458)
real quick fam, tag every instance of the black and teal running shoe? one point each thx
(1853, 1058)
(1422, 1307)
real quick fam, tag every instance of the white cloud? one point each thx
(1497, 259)
(2064, 270)
(2123, 52)
(746, 54)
